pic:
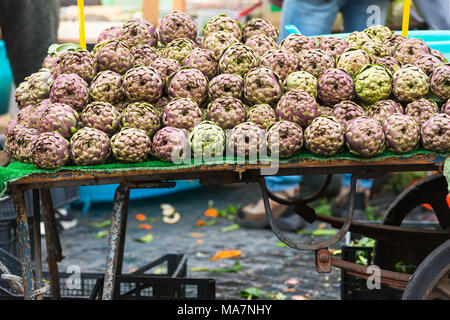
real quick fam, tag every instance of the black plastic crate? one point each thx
(60, 197)
(171, 284)
(9, 236)
(355, 288)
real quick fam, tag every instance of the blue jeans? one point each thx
(315, 17)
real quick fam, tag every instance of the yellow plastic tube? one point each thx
(82, 29)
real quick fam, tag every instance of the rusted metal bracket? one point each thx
(393, 279)
(323, 261)
(311, 246)
(398, 236)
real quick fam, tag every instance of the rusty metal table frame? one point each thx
(207, 174)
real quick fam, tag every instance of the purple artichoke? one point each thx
(334, 86)
(165, 67)
(203, 60)
(428, 63)
(59, 117)
(170, 144)
(262, 115)
(297, 44)
(440, 82)
(81, 62)
(262, 85)
(346, 111)
(297, 106)
(113, 55)
(188, 83)
(352, 61)
(365, 137)
(261, 43)
(436, 133)
(70, 89)
(223, 23)
(143, 84)
(39, 85)
(144, 55)
(109, 33)
(324, 136)
(50, 150)
(22, 95)
(101, 116)
(179, 49)
(381, 110)
(226, 112)
(36, 113)
(107, 87)
(402, 133)
(183, 113)
(410, 83)
(246, 140)
(130, 145)
(141, 115)
(421, 109)
(334, 46)
(226, 85)
(177, 25)
(393, 41)
(390, 63)
(239, 59)
(89, 146)
(316, 62)
(18, 143)
(258, 25)
(446, 107)
(217, 42)
(284, 138)
(411, 49)
(280, 61)
(137, 30)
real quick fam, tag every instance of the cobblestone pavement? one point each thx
(266, 264)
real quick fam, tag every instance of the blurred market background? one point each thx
(264, 263)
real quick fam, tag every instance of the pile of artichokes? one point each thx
(147, 92)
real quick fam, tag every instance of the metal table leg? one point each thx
(116, 240)
(24, 242)
(37, 241)
(54, 252)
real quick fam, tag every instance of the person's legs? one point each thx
(357, 14)
(29, 27)
(253, 215)
(311, 17)
(341, 202)
(435, 12)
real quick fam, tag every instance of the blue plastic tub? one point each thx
(105, 193)
(6, 79)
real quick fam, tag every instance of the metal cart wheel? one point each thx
(431, 280)
(431, 190)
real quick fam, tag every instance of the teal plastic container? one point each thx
(6, 79)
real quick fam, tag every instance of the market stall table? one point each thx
(157, 174)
